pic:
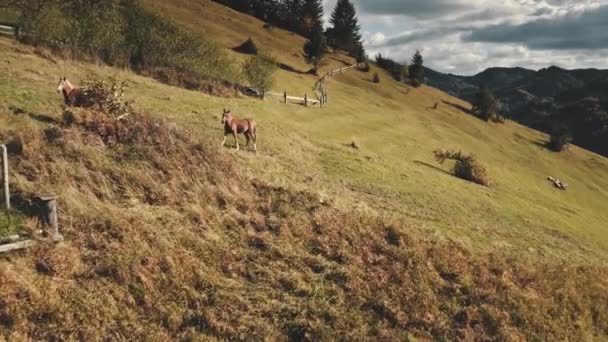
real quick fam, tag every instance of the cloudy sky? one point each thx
(468, 36)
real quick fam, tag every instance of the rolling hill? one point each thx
(541, 99)
(170, 237)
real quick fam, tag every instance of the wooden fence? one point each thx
(322, 97)
(303, 100)
(7, 30)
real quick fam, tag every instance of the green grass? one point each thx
(10, 223)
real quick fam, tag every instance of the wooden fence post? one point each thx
(48, 208)
(285, 96)
(7, 192)
(305, 100)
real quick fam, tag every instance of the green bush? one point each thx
(259, 72)
(10, 223)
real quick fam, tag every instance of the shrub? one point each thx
(365, 67)
(248, 47)
(259, 71)
(467, 167)
(560, 138)
(376, 78)
(108, 97)
(68, 118)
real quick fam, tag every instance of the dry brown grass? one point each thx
(166, 239)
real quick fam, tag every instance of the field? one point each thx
(391, 176)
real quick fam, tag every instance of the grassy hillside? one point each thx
(177, 238)
(398, 131)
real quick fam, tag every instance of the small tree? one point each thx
(485, 104)
(560, 138)
(416, 70)
(376, 78)
(359, 53)
(259, 72)
(315, 49)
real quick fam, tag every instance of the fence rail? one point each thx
(7, 30)
(305, 100)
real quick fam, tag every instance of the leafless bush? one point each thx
(467, 166)
(108, 97)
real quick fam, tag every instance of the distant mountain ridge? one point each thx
(542, 99)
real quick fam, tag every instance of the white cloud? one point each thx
(438, 28)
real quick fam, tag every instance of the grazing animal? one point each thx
(235, 126)
(72, 96)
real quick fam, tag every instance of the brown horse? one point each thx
(72, 96)
(235, 126)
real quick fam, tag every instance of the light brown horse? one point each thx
(72, 96)
(235, 126)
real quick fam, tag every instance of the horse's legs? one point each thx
(223, 141)
(236, 141)
(254, 136)
(248, 136)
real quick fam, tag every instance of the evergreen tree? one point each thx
(416, 70)
(346, 30)
(485, 104)
(359, 53)
(312, 17)
(294, 12)
(315, 48)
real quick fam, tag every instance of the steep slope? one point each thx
(309, 239)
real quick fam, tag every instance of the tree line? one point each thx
(125, 33)
(306, 18)
(412, 73)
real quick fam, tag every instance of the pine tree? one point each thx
(312, 17)
(416, 70)
(294, 14)
(346, 30)
(315, 48)
(359, 53)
